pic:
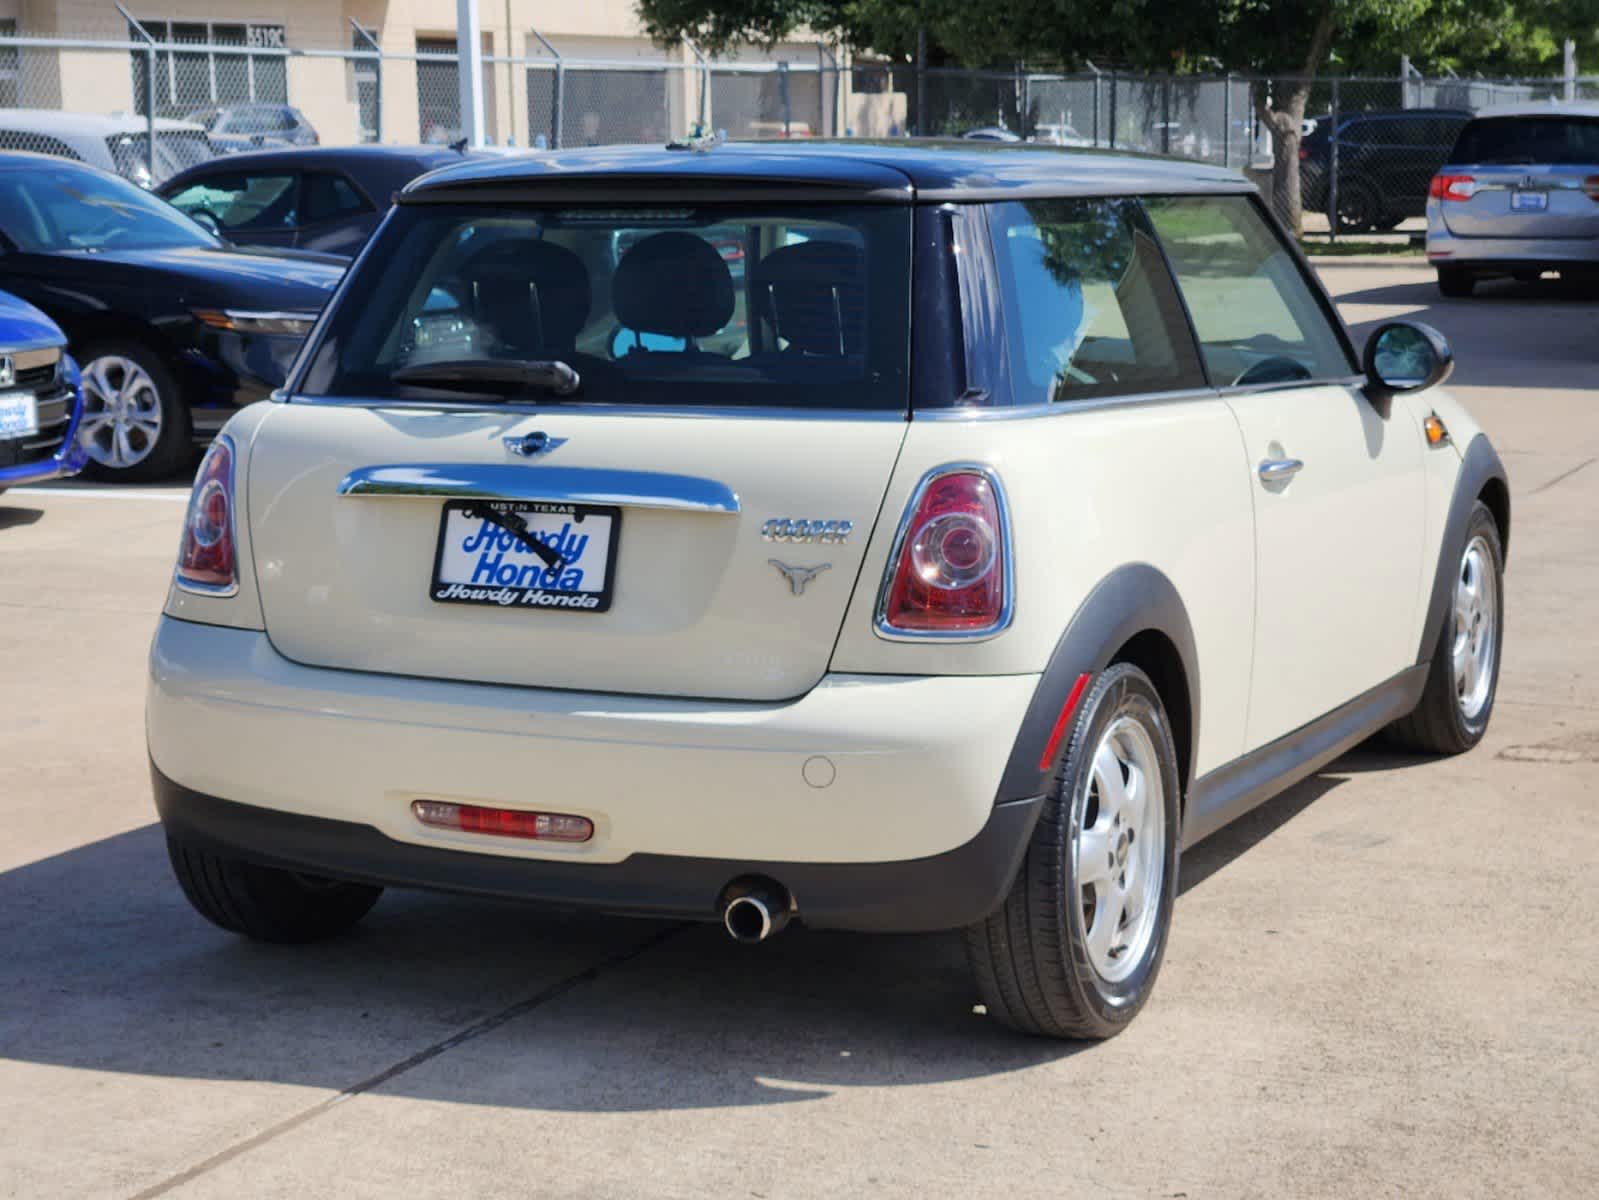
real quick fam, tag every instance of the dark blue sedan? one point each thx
(40, 398)
(323, 198)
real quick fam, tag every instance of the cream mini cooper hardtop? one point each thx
(882, 536)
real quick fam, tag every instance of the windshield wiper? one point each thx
(494, 376)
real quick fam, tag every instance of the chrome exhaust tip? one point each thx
(753, 910)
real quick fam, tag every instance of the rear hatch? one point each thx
(1533, 176)
(703, 498)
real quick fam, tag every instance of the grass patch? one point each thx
(1347, 247)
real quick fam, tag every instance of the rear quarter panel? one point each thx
(1092, 489)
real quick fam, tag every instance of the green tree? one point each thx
(1288, 42)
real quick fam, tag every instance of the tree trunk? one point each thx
(1284, 124)
(1284, 117)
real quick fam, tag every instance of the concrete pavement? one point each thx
(1381, 983)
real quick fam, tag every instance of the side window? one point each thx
(1089, 306)
(39, 143)
(240, 202)
(327, 198)
(1356, 133)
(1258, 319)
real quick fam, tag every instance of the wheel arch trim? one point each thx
(1133, 600)
(1481, 474)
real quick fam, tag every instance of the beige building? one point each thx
(613, 84)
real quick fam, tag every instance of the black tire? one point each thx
(265, 903)
(1031, 958)
(170, 449)
(1438, 725)
(1360, 209)
(1455, 282)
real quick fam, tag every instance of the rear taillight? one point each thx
(206, 560)
(949, 575)
(1304, 153)
(1590, 187)
(1452, 187)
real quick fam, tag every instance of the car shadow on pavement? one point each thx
(107, 969)
(1248, 831)
(14, 515)
(1423, 291)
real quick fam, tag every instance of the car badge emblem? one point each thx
(798, 577)
(533, 444)
(8, 371)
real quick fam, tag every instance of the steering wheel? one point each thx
(1279, 368)
(206, 220)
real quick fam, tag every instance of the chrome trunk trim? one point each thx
(570, 485)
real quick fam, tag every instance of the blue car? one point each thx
(41, 396)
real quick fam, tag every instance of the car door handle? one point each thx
(1279, 470)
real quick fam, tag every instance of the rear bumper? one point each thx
(872, 798)
(944, 891)
(1507, 254)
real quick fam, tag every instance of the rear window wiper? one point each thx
(496, 377)
(517, 528)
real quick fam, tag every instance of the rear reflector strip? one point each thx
(1047, 759)
(503, 822)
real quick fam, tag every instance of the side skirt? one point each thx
(1222, 796)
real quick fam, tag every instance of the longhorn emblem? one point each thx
(798, 577)
(533, 444)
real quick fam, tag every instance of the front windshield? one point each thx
(47, 207)
(777, 305)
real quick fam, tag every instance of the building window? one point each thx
(220, 69)
(367, 86)
(438, 90)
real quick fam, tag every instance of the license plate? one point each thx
(1529, 201)
(19, 415)
(483, 561)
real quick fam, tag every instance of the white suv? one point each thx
(913, 538)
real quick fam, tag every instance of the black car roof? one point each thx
(327, 156)
(897, 171)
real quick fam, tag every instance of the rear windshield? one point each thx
(794, 307)
(1527, 140)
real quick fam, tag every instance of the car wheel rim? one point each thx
(1476, 631)
(121, 412)
(1120, 851)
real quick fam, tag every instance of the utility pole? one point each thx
(1571, 69)
(469, 66)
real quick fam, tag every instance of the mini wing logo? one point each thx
(798, 577)
(8, 372)
(532, 445)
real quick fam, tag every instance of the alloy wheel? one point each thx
(1120, 849)
(121, 412)
(1476, 630)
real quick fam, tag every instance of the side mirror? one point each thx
(1406, 356)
